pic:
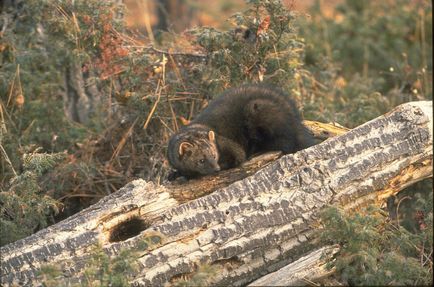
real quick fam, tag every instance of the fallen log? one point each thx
(246, 229)
(304, 271)
(184, 191)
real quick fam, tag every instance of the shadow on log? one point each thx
(246, 227)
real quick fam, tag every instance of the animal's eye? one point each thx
(201, 161)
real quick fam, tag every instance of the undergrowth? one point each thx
(378, 251)
(102, 269)
(145, 90)
(366, 57)
(25, 207)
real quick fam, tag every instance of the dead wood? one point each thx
(246, 229)
(183, 190)
(304, 271)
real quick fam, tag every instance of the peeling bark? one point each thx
(249, 228)
(304, 271)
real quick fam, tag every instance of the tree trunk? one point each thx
(174, 15)
(246, 229)
(80, 94)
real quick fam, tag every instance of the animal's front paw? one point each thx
(173, 175)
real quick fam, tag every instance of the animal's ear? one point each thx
(184, 148)
(211, 136)
(184, 121)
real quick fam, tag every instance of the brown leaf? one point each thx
(263, 27)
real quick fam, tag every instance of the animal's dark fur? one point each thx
(193, 151)
(246, 120)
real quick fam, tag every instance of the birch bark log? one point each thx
(247, 229)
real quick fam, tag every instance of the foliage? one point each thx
(362, 60)
(148, 91)
(199, 278)
(263, 47)
(49, 275)
(375, 251)
(24, 208)
(103, 269)
(107, 272)
(366, 58)
(39, 41)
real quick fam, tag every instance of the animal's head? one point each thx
(196, 153)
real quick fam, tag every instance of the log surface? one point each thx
(247, 229)
(307, 269)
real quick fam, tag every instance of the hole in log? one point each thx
(127, 229)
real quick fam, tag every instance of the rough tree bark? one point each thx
(304, 271)
(247, 229)
(80, 94)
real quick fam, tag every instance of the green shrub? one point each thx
(24, 207)
(360, 62)
(103, 269)
(375, 251)
(368, 56)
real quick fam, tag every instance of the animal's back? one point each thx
(224, 115)
(246, 120)
(258, 117)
